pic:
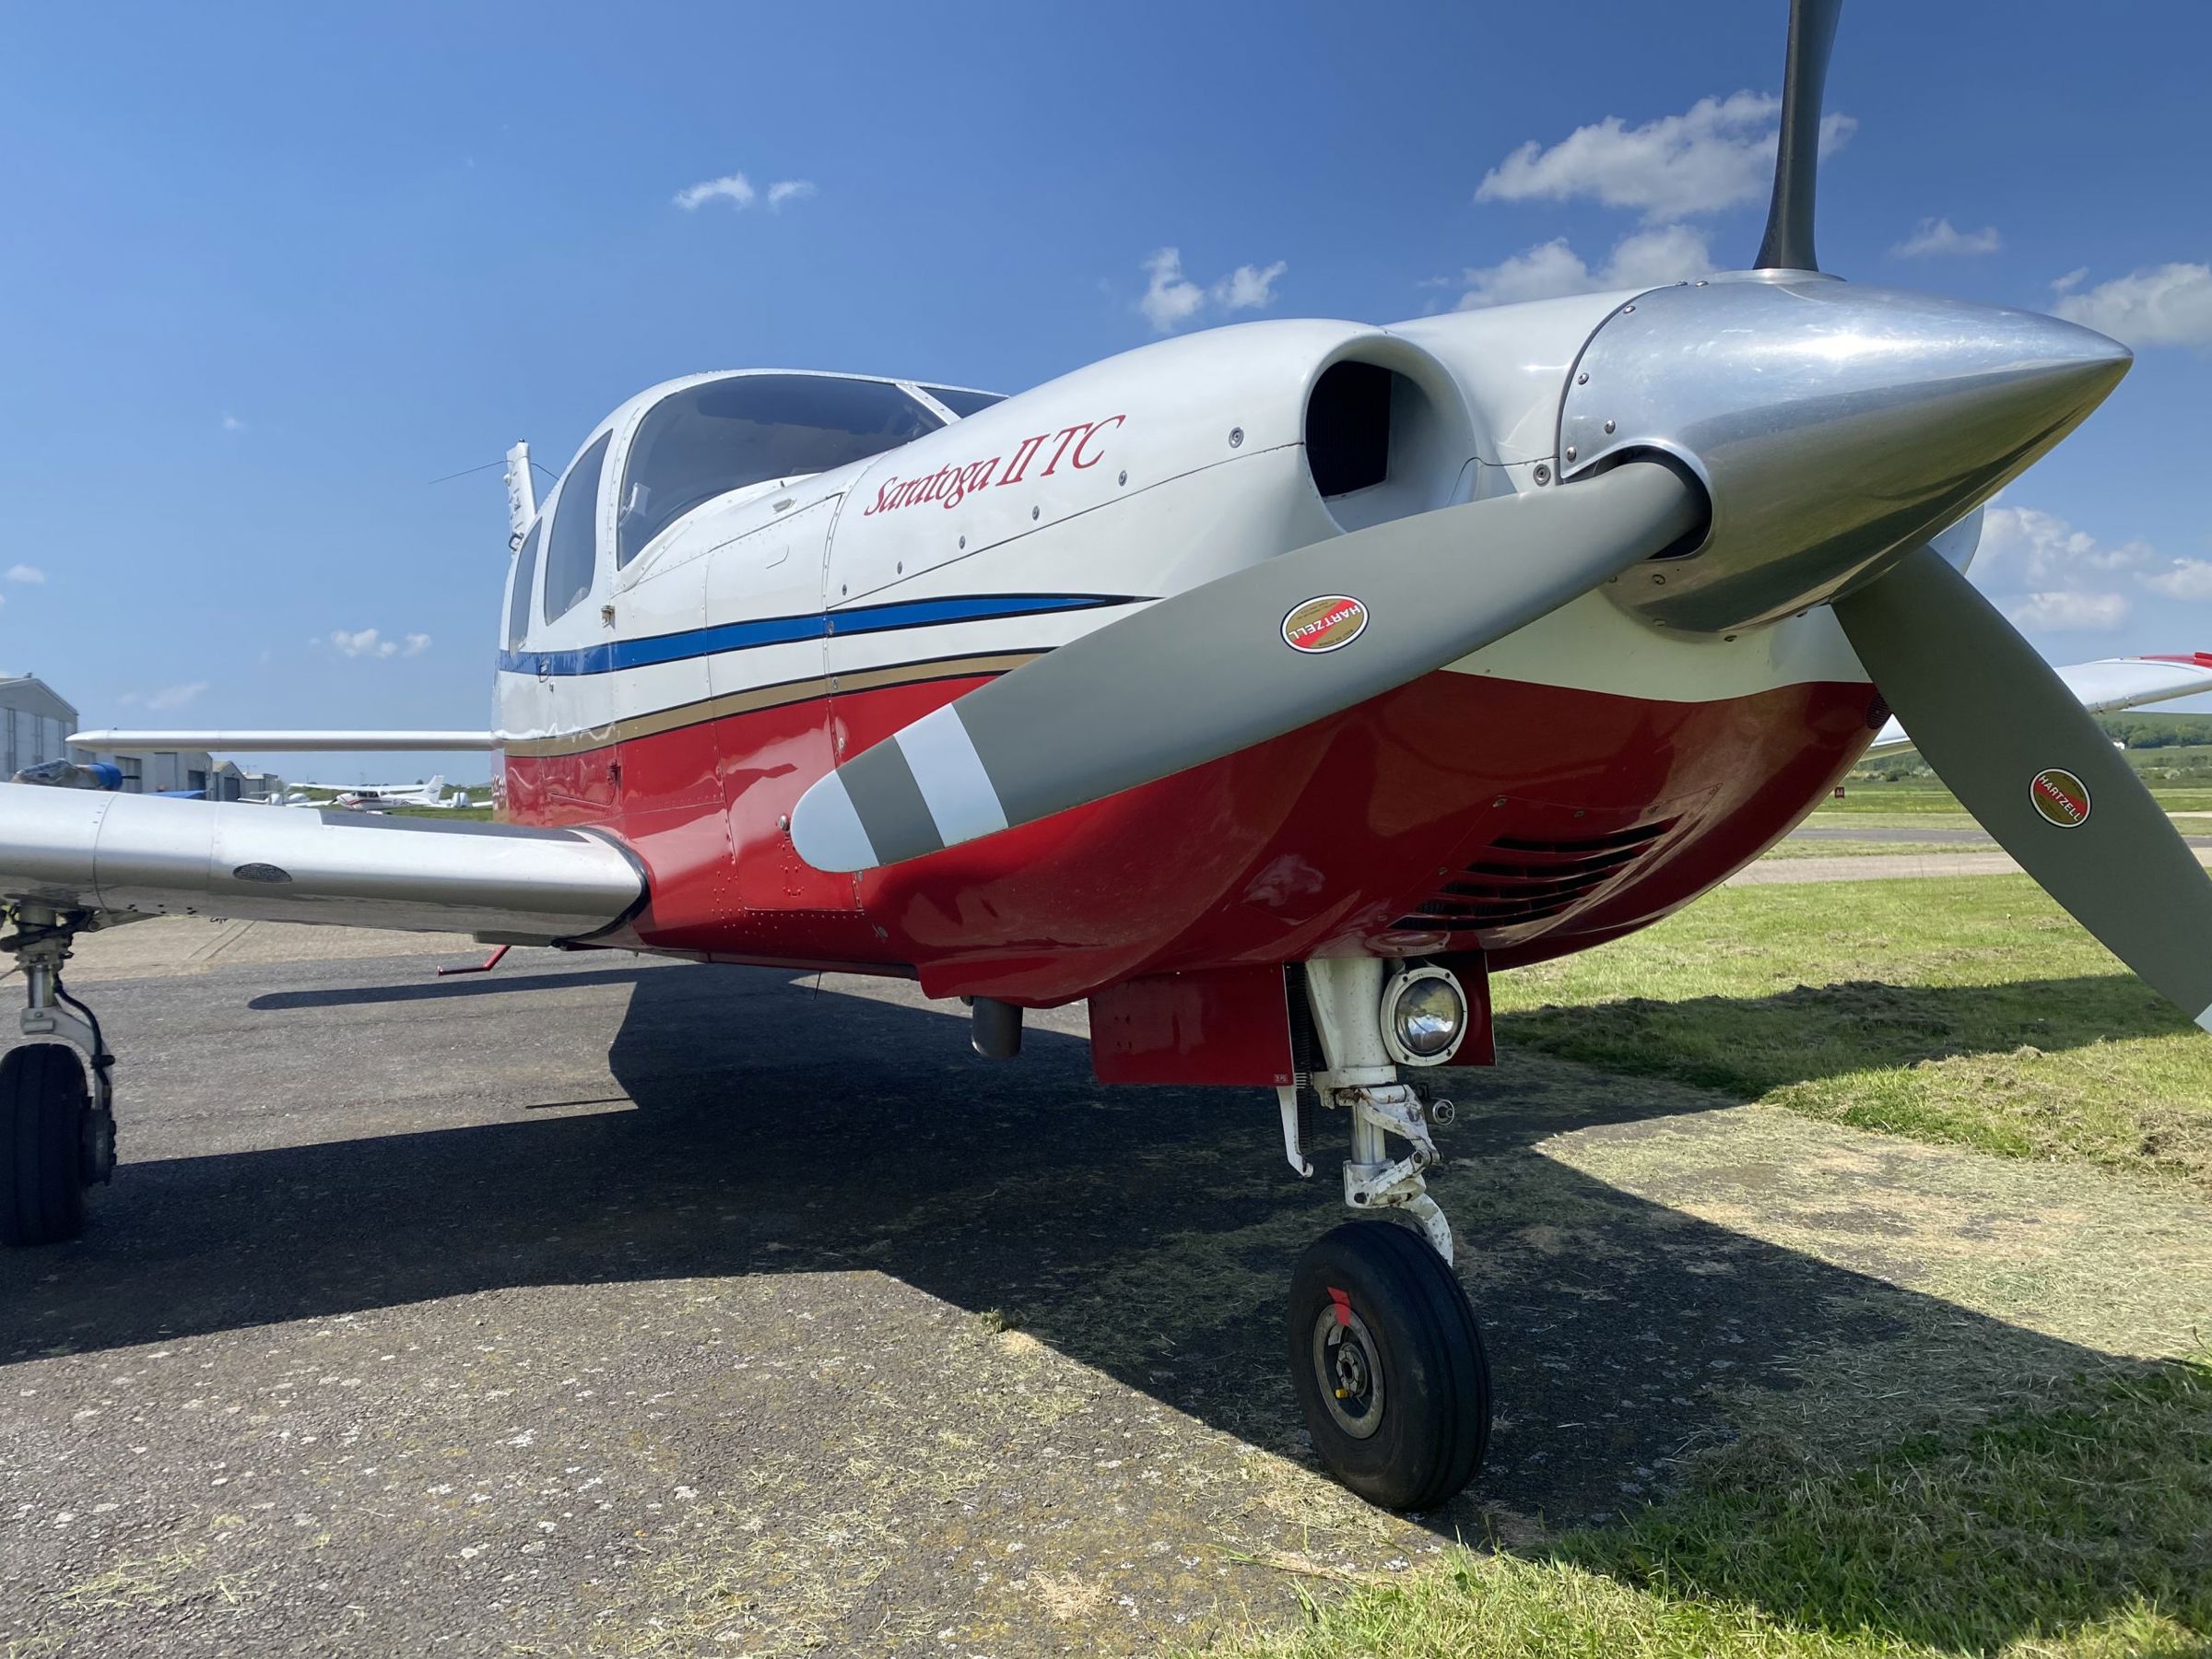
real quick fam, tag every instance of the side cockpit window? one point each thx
(518, 596)
(573, 544)
(708, 440)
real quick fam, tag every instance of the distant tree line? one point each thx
(2158, 731)
(2130, 730)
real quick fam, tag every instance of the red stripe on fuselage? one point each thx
(1318, 842)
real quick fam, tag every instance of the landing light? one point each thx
(1424, 1015)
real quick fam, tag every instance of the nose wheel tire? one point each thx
(1388, 1365)
(46, 1133)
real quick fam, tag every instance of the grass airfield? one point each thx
(2065, 1515)
(2046, 1515)
(1844, 1250)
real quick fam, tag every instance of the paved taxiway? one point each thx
(1936, 836)
(606, 1306)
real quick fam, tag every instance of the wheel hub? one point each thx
(1347, 1368)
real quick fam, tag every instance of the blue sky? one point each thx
(268, 271)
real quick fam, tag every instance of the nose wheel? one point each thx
(1384, 1355)
(1388, 1365)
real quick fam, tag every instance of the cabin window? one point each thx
(518, 596)
(962, 402)
(708, 440)
(573, 544)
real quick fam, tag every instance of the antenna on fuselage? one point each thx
(521, 494)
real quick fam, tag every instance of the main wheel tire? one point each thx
(44, 1110)
(1388, 1365)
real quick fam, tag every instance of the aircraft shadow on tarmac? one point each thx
(1146, 1232)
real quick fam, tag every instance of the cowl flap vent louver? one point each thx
(1518, 879)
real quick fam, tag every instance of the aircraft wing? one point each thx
(73, 849)
(130, 743)
(2103, 687)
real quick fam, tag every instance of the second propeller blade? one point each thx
(2036, 769)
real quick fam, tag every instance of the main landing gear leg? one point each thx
(57, 1118)
(1384, 1354)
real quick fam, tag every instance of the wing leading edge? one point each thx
(73, 849)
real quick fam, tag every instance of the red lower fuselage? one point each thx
(1459, 813)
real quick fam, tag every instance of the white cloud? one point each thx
(1940, 236)
(1646, 259)
(737, 190)
(2095, 613)
(363, 642)
(733, 188)
(1719, 154)
(2047, 574)
(231, 423)
(416, 644)
(1170, 299)
(23, 572)
(2188, 579)
(2027, 548)
(2165, 305)
(176, 696)
(1248, 288)
(168, 696)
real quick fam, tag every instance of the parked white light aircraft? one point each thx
(1267, 687)
(375, 797)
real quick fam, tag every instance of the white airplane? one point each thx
(1267, 687)
(375, 797)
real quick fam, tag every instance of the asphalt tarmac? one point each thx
(598, 1305)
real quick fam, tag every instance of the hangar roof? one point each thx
(29, 692)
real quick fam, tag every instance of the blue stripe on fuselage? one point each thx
(785, 631)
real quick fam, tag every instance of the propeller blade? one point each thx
(1788, 244)
(1236, 661)
(2033, 765)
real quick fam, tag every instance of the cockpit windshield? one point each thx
(708, 440)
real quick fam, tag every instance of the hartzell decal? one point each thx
(1324, 624)
(1078, 445)
(2060, 796)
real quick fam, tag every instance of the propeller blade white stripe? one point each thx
(951, 774)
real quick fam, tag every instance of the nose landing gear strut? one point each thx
(57, 1117)
(1385, 1357)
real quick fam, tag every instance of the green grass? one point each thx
(1874, 848)
(1968, 1010)
(474, 813)
(2081, 1531)
(1965, 1010)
